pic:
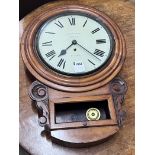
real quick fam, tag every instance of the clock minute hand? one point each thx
(89, 52)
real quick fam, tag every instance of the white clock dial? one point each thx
(74, 44)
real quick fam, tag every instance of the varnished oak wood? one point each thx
(71, 137)
(123, 143)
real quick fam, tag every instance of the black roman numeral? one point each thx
(50, 32)
(49, 43)
(91, 62)
(72, 21)
(61, 62)
(96, 30)
(100, 41)
(50, 54)
(99, 52)
(59, 24)
(85, 23)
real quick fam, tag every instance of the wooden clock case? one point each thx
(59, 98)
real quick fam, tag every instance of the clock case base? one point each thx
(67, 125)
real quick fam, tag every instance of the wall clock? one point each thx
(75, 53)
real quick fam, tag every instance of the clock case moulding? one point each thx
(51, 89)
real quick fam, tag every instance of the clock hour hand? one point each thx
(64, 51)
(89, 52)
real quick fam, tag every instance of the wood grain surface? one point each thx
(122, 12)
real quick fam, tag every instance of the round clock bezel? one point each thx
(64, 82)
(112, 43)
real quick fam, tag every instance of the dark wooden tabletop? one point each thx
(122, 12)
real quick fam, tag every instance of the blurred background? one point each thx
(26, 6)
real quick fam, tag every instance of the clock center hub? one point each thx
(74, 42)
